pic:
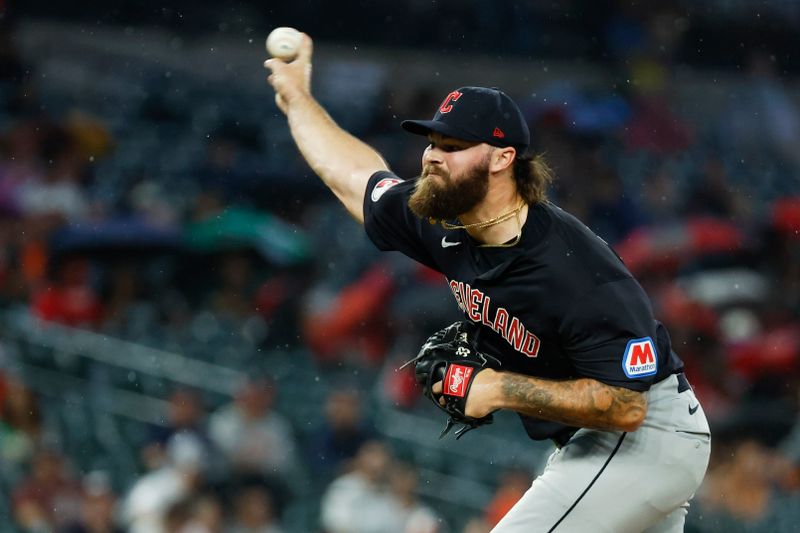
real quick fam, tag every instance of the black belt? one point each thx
(683, 383)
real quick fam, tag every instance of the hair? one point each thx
(532, 176)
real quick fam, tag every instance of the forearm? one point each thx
(342, 161)
(583, 402)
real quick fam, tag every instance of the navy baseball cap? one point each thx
(479, 114)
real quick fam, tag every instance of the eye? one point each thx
(447, 147)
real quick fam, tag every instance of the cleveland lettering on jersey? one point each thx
(477, 306)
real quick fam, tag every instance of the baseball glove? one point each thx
(450, 356)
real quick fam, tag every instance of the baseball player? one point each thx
(583, 361)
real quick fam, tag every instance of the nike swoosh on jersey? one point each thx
(693, 410)
(447, 244)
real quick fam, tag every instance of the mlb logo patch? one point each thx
(455, 382)
(640, 358)
(382, 186)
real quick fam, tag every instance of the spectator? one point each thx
(660, 200)
(234, 297)
(20, 429)
(21, 164)
(185, 415)
(58, 193)
(342, 433)
(223, 172)
(204, 515)
(653, 126)
(50, 498)
(611, 213)
(253, 511)
(253, 437)
(149, 502)
(764, 120)
(178, 516)
(126, 309)
(712, 194)
(360, 501)
(97, 507)
(415, 517)
(70, 297)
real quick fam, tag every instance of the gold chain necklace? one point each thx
(491, 222)
(516, 239)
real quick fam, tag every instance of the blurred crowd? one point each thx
(705, 212)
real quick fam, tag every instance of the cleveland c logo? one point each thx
(447, 105)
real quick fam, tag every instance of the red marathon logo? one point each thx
(640, 358)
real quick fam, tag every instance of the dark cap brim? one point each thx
(424, 127)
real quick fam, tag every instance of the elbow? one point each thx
(632, 418)
(622, 409)
(632, 421)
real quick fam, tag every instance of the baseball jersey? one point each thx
(560, 304)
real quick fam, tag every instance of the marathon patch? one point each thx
(382, 186)
(456, 380)
(641, 358)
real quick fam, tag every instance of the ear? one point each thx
(501, 159)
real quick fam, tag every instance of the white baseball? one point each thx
(283, 43)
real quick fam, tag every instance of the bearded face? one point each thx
(440, 195)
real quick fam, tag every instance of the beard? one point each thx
(443, 198)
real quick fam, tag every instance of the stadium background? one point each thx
(194, 333)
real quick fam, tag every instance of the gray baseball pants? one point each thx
(618, 482)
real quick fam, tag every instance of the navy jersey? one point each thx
(560, 304)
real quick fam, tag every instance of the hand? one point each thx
(291, 80)
(481, 394)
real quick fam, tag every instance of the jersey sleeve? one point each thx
(389, 223)
(610, 335)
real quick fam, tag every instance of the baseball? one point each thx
(283, 43)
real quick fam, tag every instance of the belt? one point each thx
(683, 383)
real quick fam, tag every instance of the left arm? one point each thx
(582, 402)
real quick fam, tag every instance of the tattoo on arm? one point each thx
(583, 402)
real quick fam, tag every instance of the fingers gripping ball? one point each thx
(283, 43)
(450, 356)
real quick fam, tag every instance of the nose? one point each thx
(432, 156)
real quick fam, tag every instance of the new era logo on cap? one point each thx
(479, 114)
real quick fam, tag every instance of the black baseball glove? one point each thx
(450, 356)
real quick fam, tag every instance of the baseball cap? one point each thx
(480, 114)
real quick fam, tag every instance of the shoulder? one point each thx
(577, 241)
(569, 227)
(382, 182)
(578, 259)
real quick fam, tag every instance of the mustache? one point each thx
(428, 169)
